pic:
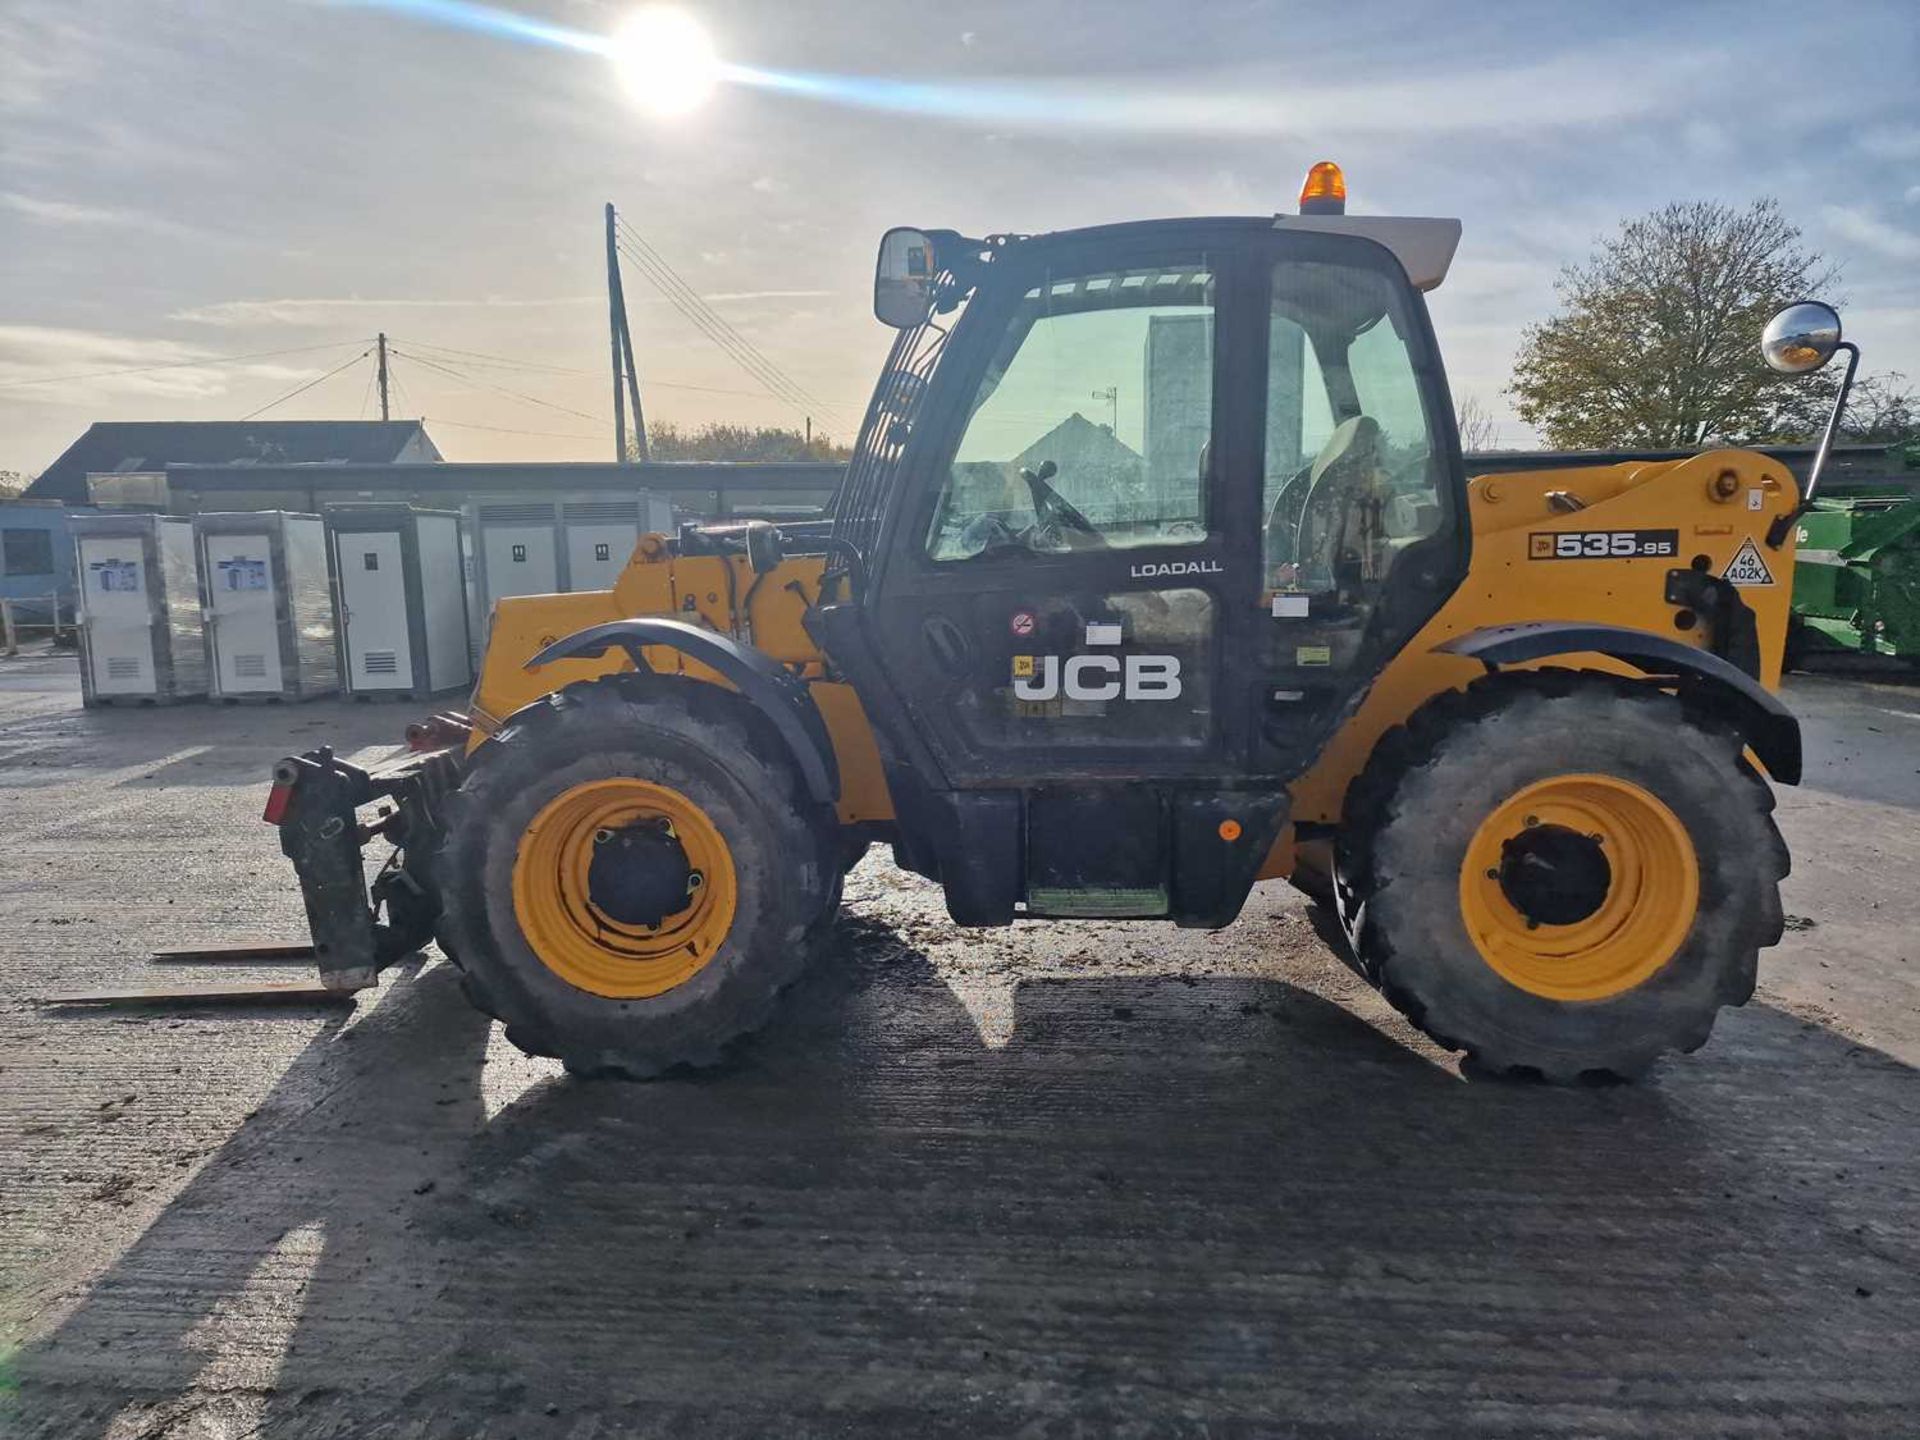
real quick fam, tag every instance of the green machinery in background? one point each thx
(1856, 578)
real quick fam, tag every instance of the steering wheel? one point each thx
(1051, 509)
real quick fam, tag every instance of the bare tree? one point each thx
(1657, 342)
(1479, 431)
(1882, 408)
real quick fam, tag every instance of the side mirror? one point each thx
(903, 278)
(1801, 338)
(765, 546)
(1798, 341)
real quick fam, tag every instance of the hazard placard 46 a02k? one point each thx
(1748, 566)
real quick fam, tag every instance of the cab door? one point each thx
(1070, 566)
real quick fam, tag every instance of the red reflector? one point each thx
(278, 799)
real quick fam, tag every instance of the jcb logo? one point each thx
(1101, 677)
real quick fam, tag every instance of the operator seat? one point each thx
(1351, 452)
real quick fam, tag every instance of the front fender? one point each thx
(1702, 677)
(766, 684)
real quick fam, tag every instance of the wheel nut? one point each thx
(603, 837)
(1532, 820)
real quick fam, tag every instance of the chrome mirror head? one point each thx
(1801, 338)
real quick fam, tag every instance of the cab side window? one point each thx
(1093, 424)
(1351, 474)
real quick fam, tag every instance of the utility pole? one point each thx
(1112, 396)
(383, 379)
(633, 381)
(615, 309)
(626, 376)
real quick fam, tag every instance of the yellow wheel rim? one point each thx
(1580, 887)
(574, 936)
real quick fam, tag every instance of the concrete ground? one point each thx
(1088, 1179)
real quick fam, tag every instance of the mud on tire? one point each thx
(695, 739)
(1413, 812)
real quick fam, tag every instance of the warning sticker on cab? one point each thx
(1602, 544)
(1747, 567)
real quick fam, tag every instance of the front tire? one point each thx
(630, 874)
(1564, 874)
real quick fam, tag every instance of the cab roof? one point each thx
(1424, 245)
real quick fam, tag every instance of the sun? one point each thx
(665, 59)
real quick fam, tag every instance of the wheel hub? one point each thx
(624, 887)
(1579, 886)
(1554, 875)
(640, 874)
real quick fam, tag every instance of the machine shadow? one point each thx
(1166, 1205)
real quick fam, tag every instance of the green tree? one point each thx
(12, 483)
(719, 441)
(1657, 342)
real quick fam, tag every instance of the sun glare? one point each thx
(665, 59)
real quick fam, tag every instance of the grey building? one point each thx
(120, 462)
(697, 489)
(36, 558)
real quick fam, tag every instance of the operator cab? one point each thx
(1139, 512)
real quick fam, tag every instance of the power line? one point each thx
(501, 362)
(721, 390)
(485, 360)
(489, 385)
(772, 383)
(505, 430)
(714, 325)
(394, 376)
(399, 390)
(179, 365)
(684, 299)
(302, 389)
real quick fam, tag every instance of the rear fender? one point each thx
(763, 682)
(1701, 677)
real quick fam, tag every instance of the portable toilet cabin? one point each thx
(517, 546)
(142, 632)
(601, 530)
(402, 600)
(269, 605)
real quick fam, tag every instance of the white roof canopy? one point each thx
(1423, 246)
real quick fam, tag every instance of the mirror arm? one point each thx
(1777, 532)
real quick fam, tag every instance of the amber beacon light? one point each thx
(1325, 191)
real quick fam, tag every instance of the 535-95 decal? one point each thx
(1602, 544)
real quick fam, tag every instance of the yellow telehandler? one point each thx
(1156, 572)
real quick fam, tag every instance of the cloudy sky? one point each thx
(197, 180)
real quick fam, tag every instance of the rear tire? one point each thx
(743, 818)
(1683, 896)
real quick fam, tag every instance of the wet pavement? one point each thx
(1080, 1179)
